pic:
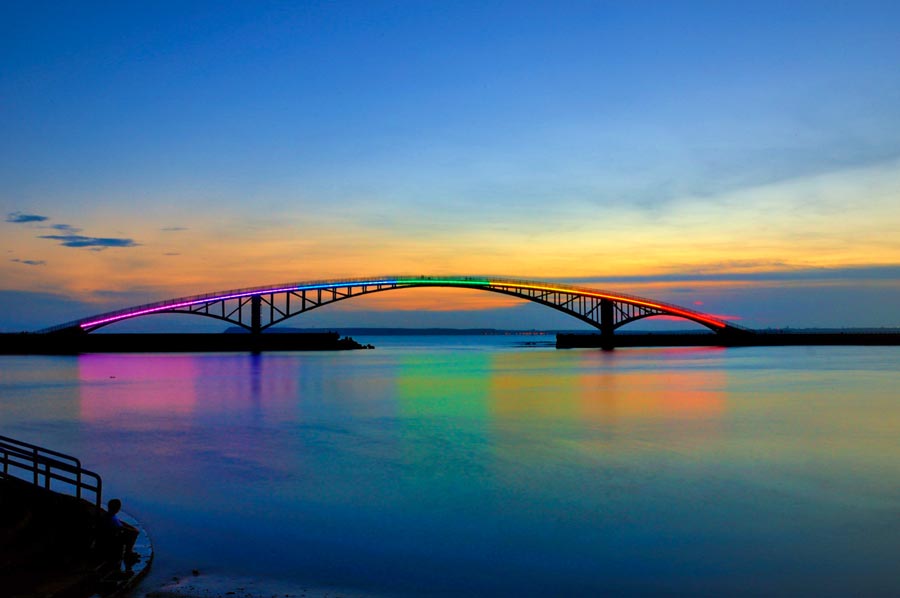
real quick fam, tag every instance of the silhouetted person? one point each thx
(117, 537)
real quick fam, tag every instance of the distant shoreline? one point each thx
(296, 339)
(399, 331)
(438, 331)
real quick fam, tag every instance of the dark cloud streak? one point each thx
(29, 262)
(82, 241)
(19, 217)
(71, 238)
(66, 228)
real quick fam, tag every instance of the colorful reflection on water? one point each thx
(485, 469)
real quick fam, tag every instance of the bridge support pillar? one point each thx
(607, 323)
(255, 314)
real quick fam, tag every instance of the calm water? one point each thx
(461, 466)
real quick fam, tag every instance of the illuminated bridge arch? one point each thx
(256, 309)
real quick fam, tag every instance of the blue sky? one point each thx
(660, 148)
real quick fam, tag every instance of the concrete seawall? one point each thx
(69, 344)
(758, 339)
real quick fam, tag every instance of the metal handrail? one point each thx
(45, 465)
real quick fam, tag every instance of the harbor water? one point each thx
(493, 466)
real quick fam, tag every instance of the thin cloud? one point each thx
(70, 238)
(880, 272)
(19, 217)
(173, 229)
(29, 262)
(94, 242)
(66, 228)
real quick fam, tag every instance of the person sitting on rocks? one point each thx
(116, 536)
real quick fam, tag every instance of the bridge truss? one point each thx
(257, 309)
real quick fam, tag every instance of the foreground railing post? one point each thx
(40, 461)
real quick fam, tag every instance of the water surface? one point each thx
(473, 466)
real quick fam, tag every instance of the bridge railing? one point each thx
(42, 467)
(241, 292)
(392, 279)
(613, 295)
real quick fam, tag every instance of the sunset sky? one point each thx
(740, 158)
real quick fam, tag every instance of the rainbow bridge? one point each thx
(258, 308)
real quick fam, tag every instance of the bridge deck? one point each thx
(260, 307)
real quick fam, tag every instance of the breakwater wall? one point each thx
(68, 344)
(757, 339)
